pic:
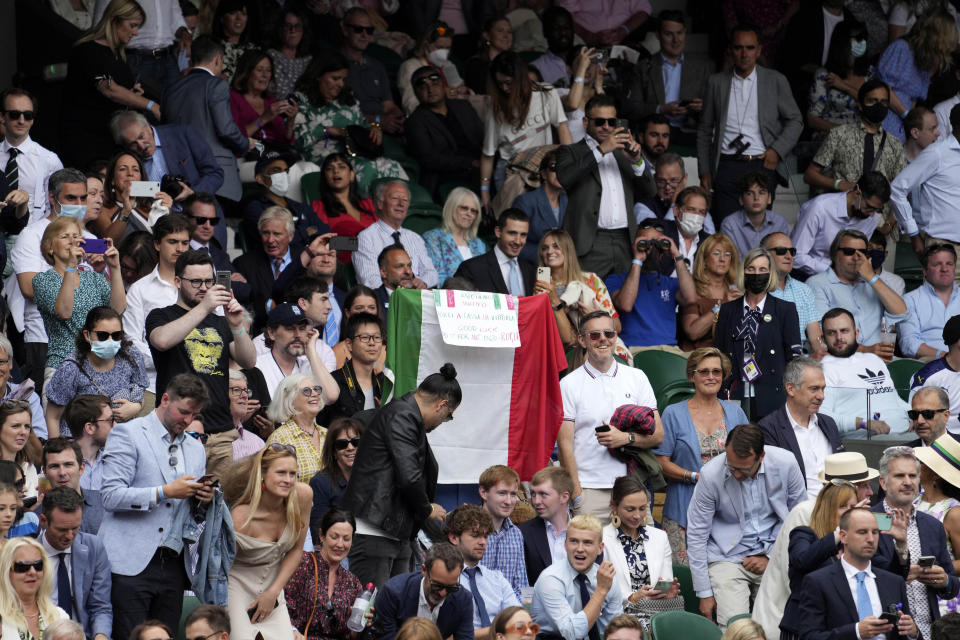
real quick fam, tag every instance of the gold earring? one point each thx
(615, 519)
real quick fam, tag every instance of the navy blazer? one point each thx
(399, 600)
(778, 431)
(807, 553)
(778, 341)
(187, 154)
(828, 610)
(484, 272)
(536, 549)
(933, 542)
(537, 207)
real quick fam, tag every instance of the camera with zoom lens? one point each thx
(663, 244)
(170, 185)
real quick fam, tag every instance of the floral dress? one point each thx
(231, 56)
(939, 510)
(307, 600)
(313, 145)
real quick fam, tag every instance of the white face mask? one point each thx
(438, 56)
(691, 224)
(279, 182)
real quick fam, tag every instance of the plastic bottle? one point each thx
(357, 620)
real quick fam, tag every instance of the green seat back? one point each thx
(901, 371)
(663, 369)
(690, 601)
(683, 625)
(310, 183)
(423, 220)
(189, 604)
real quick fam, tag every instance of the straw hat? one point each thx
(847, 465)
(943, 457)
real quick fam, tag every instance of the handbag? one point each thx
(357, 142)
(316, 594)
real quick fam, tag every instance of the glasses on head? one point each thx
(108, 335)
(14, 114)
(369, 338)
(523, 627)
(357, 29)
(782, 251)
(428, 79)
(289, 448)
(239, 391)
(838, 482)
(197, 283)
(710, 372)
(927, 414)
(609, 334)
(311, 391)
(201, 220)
(673, 182)
(23, 567)
(173, 460)
(342, 443)
(849, 251)
(202, 437)
(599, 122)
(898, 449)
(651, 223)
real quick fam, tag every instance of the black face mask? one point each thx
(875, 113)
(876, 258)
(756, 282)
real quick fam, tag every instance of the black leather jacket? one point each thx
(394, 478)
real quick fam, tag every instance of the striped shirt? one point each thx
(505, 554)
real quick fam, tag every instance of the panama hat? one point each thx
(847, 465)
(943, 457)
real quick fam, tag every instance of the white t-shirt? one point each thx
(327, 356)
(937, 373)
(850, 381)
(545, 111)
(274, 375)
(589, 399)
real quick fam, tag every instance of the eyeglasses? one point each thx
(371, 338)
(23, 567)
(276, 446)
(432, 78)
(782, 251)
(13, 114)
(523, 627)
(673, 182)
(111, 335)
(927, 414)
(721, 254)
(599, 122)
(849, 251)
(202, 437)
(201, 220)
(310, 391)
(197, 283)
(110, 420)
(239, 391)
(609, 334)
(342, 443)
(172, 452)
(746, 470)
(710, 372)
(357, 29)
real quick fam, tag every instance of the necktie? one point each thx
(864, 608)
(748, 330)
(581, 579)
(868, 152)
(64, 595)
(12, 172)
(277, 266)
(477, 598)
(206, 250)
(516, 288)
(396, 238)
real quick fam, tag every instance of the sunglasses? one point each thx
(432, 78)
(276, 446)
(927, 414)
(437, 587)
(357, 29)
(202, 437)
(849, 251)
(599, 122)
(310, 391)
(23, 567)
(837, 482)
(710, 372)
(782, 251)
(523, 627)
(609, 334)
(342, 443)
(172, 452)
(200, 220)
(111, 335)
(13, 114)
(651, 223)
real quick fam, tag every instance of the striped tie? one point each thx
(12, 172)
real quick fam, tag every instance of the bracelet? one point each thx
(150, 105)
(238, 332)
(484, 187)
(579, 79)
(694, 475)
(873, 279)
(680, 259)
(639, 263)
(160, 494)
(836, 184)
(70, 269)
(625, 28)
(904, 114)
(484, 180)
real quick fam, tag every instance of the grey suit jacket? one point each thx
(780, 120)
(91, 583)
(203, 101)
(646, 91)
(135, 463)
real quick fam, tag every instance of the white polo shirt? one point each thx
(589, 399)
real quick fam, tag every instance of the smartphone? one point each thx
(602, 428)
(884, 520)
(543, 274)
(253, 610)
(205, 478)
(223, 279)
(685, 103)
(95, 245)
(624, 124)
(664, 585)
(344, 243)
(889, 616)
(926, 561)
(144, 189)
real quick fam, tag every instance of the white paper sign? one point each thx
(477, 319)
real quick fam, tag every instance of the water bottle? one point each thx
(360, 606)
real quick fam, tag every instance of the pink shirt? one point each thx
(247, 444)
(598, 15)
(244, 114)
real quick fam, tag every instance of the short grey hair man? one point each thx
(62, 177)
(64, 629)
(123, 119)
(277, 213)
(793, 372)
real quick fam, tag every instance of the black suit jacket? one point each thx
(671, 230)
(536, 549)
(399, 599)
(484, 272)
(578, 173)
(828, 610)
(383, 301)
(778, 342)
(255, 267)
(778, 431)
(646, 91)
(434, 147)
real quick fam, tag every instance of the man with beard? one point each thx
(396, 272)
(189, 337)
(819, 220)
(647, 295)
(931, 305)
(859, 392)
(850, 283)
(292, 343)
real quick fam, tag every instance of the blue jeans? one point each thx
(156, 74)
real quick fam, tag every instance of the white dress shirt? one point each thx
(423, 607)
(372, 240)
(613, 206)
(159, 30)
(273, 375)
(556, 540)
(743, 116)
(937, 172)
(146, 294)
(326, 354)
(35, 164)
(25, 257)
(814, 449)
(870, 582)
(504, 261)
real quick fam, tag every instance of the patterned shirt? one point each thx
(329, 616)
(308, 456)
(842, 152)
(93, 290)
(505, 553)
(916, 590)
(636, 554)
(802, 298)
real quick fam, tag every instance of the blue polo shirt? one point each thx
(653, 319)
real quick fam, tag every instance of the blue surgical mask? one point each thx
(858, 48)
(105, 349)
(77, 211)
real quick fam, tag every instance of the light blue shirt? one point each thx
(745, 237)
(802, 298)
(172, 538)
(936, 171)
(760, 524)
(671, 84)
(556, 602)
(332, 331)
(927, 315)
(156, 165)
(283, 265)
(92, 477)
(859, 299)
(818, 222)
(556, 540)
(495, 590)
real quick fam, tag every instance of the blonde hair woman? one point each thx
(456, 240)
(744, 629)
(714, 274)
(270, 518)
(25, 603)
(296, 404)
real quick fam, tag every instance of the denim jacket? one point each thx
(213, 547)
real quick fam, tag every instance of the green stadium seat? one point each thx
(310, 183)
(690, 601)
(901, 371)
(422, 220)
(677, 625)
(189, 604)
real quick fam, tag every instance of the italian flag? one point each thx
(511, 409)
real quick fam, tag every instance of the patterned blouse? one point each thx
(231, 56)
(92, 291)
(330, 616)
(712, 444)
(833, 105)
(286, 71)
(308, 457)
(896, 67)
(443, 251)
(635, 552)
(842, 152)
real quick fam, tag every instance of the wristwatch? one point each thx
(559, 305)
(633, 438)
